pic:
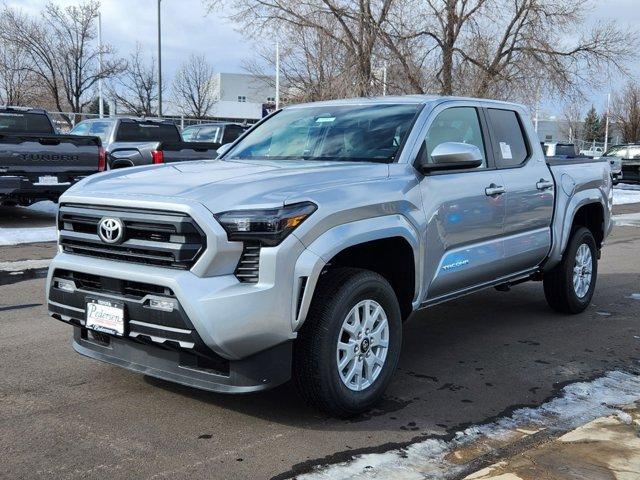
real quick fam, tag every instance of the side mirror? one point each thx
(450, 156)
(223, 149)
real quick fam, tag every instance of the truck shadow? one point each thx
(472, 360)
(42, 215)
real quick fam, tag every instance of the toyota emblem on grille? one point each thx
(111, 230)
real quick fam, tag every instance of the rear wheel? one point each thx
(569, 287)
(348, 349)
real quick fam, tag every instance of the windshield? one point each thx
(147, 132)
(96, 129)
(353, 133)
(618, 151)
(16, 122)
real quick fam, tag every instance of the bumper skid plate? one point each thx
(262, 371)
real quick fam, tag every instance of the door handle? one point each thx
(494, 190)
(544, 184)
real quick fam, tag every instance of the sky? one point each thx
(187, 28)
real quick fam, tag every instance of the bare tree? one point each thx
(60, 45)
(17, 85)
(625, 111)
(572, 114)
(136, 89)
(354, 28)
(194, 87)
(312, 66)
(487, 48)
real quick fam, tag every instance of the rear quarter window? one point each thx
(510, 146)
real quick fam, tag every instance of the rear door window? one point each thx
(509, 143)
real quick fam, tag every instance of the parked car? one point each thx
(134, 141)
(301, 250)
(629, 156)
(218, 132)
(570, 151)
(593, 151)
(38, 164)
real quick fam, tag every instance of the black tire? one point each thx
(558, 283)
(315, 369)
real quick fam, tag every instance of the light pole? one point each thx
(159, 64)
(384, 79)
(606, 123)
(100, 100)
(277, 75)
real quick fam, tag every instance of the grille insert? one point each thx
(151, 237)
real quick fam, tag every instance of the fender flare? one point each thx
(311, 262)
(562, 226)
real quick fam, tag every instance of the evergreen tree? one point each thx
(94, 108)
(591, 129)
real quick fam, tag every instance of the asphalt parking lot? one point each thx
(477, 358)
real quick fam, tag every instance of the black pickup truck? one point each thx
(131, 142)
(38, 164)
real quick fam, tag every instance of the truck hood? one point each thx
(225, 185)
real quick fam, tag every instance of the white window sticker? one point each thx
(325, 119)
(505, 149)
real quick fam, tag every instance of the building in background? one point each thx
(242, 97)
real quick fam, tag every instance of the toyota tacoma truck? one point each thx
(38, 164)
(300, 251)
(131, 142)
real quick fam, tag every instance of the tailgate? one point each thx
(57, 155)
(186, 151)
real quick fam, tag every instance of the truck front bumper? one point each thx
(222, 335)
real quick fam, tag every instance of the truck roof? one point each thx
(406, 99)
(40, 111)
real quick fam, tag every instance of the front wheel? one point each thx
(569, 287)
(348, 349)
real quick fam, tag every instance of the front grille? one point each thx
(151, 237)
(248, 269)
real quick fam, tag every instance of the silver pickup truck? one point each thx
(302, 249)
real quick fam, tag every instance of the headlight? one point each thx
(270, 227)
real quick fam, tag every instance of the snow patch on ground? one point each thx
(46, 206)
(627, 220)
(14, 236)
(625, 193)
(22, 265)
(578, 404)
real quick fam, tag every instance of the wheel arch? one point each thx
(388, 245)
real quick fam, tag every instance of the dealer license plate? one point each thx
(105, 316)
(48, 180)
